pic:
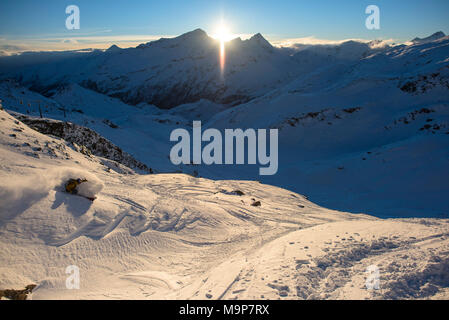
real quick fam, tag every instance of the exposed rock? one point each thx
(13, 294)
(85, 140)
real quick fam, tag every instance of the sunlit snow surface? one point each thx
(175, 236)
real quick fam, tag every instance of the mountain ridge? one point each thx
(172, 71)
(435, 36)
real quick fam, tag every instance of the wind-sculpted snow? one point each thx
(174, 236)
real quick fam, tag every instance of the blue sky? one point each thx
(41, 24)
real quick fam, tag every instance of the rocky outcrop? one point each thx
(85, 140)
(13, 294)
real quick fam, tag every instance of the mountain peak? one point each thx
(195, 34)
(433, 37)
(258, 37)
(260, 40)
(113, 48)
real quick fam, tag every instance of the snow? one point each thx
(89, 188)
(165, 73)
(433, 37)
(173, 236)
(334, 158)
(16, 192)
(363, 128)
(19, 190)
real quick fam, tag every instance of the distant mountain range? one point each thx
(185, 69)
(435, 36)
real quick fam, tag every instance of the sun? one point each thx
(222, 33)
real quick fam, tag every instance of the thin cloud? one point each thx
(311, 40)
(13, 46)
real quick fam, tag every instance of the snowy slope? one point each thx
(141, 131)
(433, 37)
(175, 236)
(370, 137)
(330, 261)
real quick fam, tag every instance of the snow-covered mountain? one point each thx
(166, 73)
(436, 36)
(175, 71)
